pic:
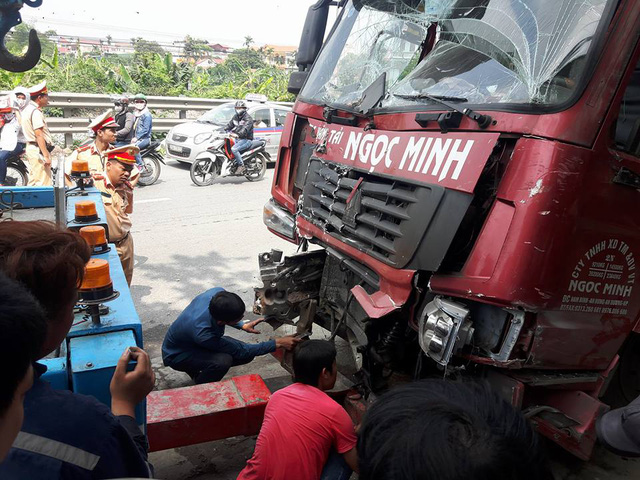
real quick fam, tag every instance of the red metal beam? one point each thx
(202, 413)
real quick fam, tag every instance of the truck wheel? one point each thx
(625, 384)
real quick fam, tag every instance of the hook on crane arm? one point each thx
(9, 18)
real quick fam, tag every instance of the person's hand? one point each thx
(287, 342)
(134, 140)
(130, 388)
(47, 160)
(250, 326)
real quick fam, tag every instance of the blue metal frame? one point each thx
(25, 197)
(90, 353)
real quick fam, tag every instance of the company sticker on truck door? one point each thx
(602, 280)
(454, 160)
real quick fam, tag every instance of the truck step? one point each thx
(203, 413)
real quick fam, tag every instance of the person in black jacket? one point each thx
(241, 127)
(23, 322)
(125, 120)
(66, 435)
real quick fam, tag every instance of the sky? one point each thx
(276, 22)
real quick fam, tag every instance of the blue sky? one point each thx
(276, 22)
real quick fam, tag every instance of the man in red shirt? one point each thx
(303, 425)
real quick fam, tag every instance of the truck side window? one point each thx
(281, 116)
(629, 112)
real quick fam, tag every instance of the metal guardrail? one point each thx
(70, 103)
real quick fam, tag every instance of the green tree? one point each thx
(18, 39)
(195, 48)
(243, 72)
(248, 41)
(142, 46)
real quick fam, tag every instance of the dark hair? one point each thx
(23, 328)
(47, 259)
(226, 307)
(310, 358)
(449, 431)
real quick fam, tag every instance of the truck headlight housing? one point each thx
(278, 219)
(444, 328)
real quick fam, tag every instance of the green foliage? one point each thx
(18, 38)
(195, 48)
(142, 46)
(153, 72)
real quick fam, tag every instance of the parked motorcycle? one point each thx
(151, 158)
(17, 171)
(219, 161)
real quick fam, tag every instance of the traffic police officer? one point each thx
(104, 128)
(120, 162)
(39, 141)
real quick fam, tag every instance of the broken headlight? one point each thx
(444, 328)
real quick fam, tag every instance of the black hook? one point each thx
(9, 18)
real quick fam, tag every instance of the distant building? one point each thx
(220, 50)
(281, 56)
(71, 45)
(209, 62)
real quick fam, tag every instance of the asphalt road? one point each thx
(188, 239)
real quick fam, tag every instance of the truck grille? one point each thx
(178, 138)
(382, 217)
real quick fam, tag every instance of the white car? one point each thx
(185, 141)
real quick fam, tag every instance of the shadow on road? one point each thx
(178, 165)
(162, 289)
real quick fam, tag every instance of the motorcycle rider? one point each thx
(125, 120)
(12, 140)
(20, 100)
(241, 127)
(143, 125)
(103, 130)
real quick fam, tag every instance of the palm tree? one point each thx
(248, 41)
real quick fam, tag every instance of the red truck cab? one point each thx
(471, 172)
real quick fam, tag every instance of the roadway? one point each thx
(188, 239)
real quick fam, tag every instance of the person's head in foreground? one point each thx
(314, 363)
(449, 431)
(23, 328)
(226, 308)
(49, 261)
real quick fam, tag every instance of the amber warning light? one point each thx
(86, 212)
(96, 238)
(80, 169)
(97, 283)
(96, 287)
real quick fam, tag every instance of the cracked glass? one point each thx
(529, 52)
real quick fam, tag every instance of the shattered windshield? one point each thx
(473, 51)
